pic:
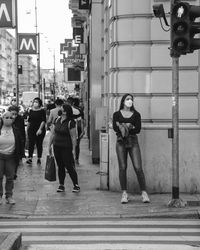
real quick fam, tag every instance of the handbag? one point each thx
(50, 169)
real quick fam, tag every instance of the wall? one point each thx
(137, 60)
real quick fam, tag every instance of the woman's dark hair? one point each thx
(68, 109)
(38, 100)
(59, 102)
(76, 102)
(122, 102)
(13, 108)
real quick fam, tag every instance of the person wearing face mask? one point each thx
(36, 130)
(127, 124)
(18, 122)
(63, 139)
(10, 154)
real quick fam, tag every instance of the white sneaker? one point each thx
(10, 200)
(145, 197)
(124, 198)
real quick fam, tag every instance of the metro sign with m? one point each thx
(7, 13)
(27, 43)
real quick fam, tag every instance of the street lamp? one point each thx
(38, 50)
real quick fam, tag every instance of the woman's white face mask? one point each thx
(128, 103)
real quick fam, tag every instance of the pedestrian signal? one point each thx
(184, 28)
(19, 69)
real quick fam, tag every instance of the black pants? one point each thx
(65, 159)
(77, 148)
(33, 140)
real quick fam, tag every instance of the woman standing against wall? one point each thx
(127, 124)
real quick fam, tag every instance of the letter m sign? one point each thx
(27, 43)
(7, 13)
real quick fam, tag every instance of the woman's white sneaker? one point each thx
(145, 197)
(124, 198)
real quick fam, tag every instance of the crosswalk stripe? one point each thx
(98, 230)
(107, 238)
(105, 231)
(102, 222)
(109, 246)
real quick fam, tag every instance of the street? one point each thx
(101, 233)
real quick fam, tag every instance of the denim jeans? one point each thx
(133, 149)
(7, 168)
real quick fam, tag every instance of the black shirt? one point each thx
(62, 137)
(36, 117)
(135, 120)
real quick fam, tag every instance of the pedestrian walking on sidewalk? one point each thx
(36, 130)
(127, 124)
(10, 154)
(18, 122)
(63, 139)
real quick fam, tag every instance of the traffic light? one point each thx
(19, 69)
(184, 28)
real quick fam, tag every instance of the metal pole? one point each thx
(54, 75)
(38, 50)
(17, 56)
(175, 126)
(175, 202)
(38, 63)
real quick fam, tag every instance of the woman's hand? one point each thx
(39, 132)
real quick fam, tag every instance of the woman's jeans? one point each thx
(133, 149)
(7, 168)
(65, 160)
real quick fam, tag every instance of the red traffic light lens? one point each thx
(180, 28)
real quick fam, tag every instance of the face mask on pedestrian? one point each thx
(36, 105)
(14, 114)
(128, 103)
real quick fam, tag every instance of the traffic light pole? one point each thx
(176, 201)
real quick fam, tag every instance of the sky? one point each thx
(53, 24)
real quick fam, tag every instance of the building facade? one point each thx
(128, 52)
(27, 79)
(7, 63)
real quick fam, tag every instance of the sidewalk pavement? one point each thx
(36, 197)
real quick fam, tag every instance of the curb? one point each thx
(13, 241)
(194, 214)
